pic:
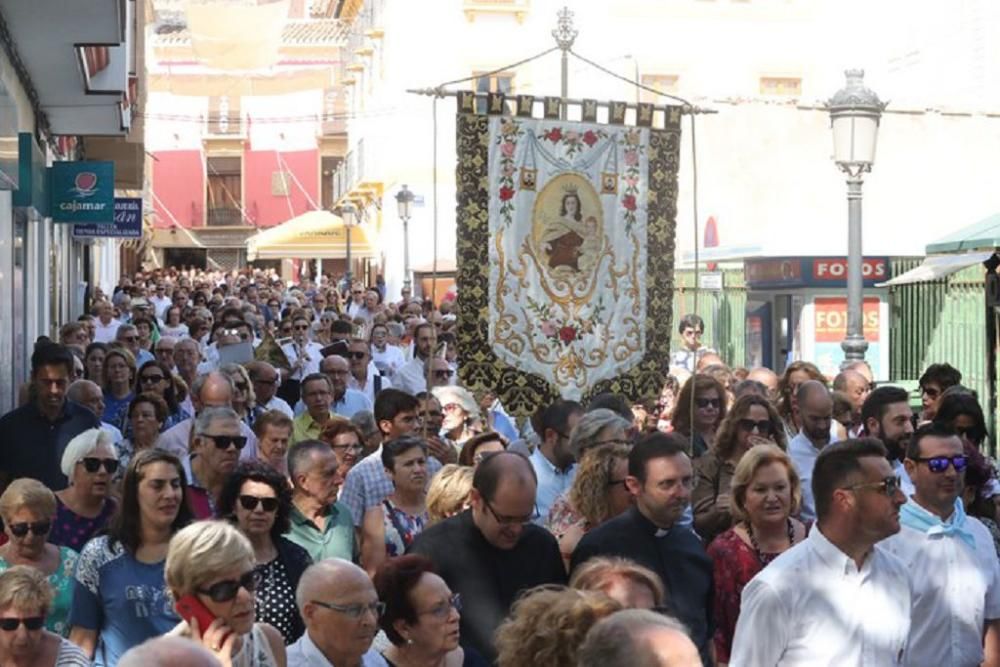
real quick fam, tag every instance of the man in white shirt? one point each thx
(161, 301)
(303, 355)
(106, 325)
(412, 377)
(265, 379)
(212, 390)
(340, 609)
(388, 358)
(956, 587)
(362, 377)
(886, 415)
(838, 598)
(815, 410)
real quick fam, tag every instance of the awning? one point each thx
(312, 235)
(983, 235)
(937, 267)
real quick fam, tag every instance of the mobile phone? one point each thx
(190, 607)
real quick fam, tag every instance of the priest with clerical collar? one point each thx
(660, 477)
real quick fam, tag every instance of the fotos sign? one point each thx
(127, 224)
(82, 192)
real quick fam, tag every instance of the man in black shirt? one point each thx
(660, 477)
(492, 552)
(33, 437)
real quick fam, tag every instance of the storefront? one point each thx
(797, 310)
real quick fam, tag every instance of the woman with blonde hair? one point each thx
(751, 421)
(244, 398)
(214, 562)
(461, 413)
(448, 493)
(28, 508)
(86, 505)
(25, 600)
(765, 492)
(621, 579)
(598, 494)
(547, 625)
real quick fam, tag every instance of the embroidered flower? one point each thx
(628, 201)
(631, 157)
(589, 138)
(567, 334)
(506, 193)
(554, 135)
(507, 148)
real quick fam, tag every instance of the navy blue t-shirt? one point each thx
(32, 446)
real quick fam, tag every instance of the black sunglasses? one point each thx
(224, 591)
(225, 441)
(357, 355)
(250, 503)
(763, 426)
(92, 464)
(11, 624)
(442, 374)
(151, 378)
(38, 528)
(708, 402)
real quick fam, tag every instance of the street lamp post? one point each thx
(404, 199)
(854, 116)
(348, 214)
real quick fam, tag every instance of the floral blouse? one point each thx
(400, 528)
(62, 586)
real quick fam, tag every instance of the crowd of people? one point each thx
(225, 469)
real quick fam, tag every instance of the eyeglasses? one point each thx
(358, 356)
(708, 402)
(92, 464)
(505, 520)
(250, 503)
(150, 379)
(12, 624)
(441, 375)
(304, 327)
(354, 447)
(224, 591)
(888, 486)
(39, 528)
(263, 381)
(939, 464)
(442, 610)
(226, 441)
(763, 426)
(354, 611)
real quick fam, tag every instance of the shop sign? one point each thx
(830, 328)
(779, 273)
(127, 223)
(834, 269)
(82, 192)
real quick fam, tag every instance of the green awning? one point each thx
(983, 235)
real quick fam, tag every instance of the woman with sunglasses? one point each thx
(25, 600)
(709, 401)
(256, 498)
(119, 377)
(85, 506)
(766, 492)
(213, 562)
(146, 414)
(752, 421)
(120, 599)
(28, 508)
(461, 413)
(244, 399)
(155, 377)
(421, 616)
(598, 494)
(390, 527)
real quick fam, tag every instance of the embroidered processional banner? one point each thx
(565, 255)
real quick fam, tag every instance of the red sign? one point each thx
(831, 319)
(835, 269)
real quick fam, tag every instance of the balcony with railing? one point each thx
(356, 177)
(224, 217)
(516, 8)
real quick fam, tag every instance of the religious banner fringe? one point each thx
(565, 250)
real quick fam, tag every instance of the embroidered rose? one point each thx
(548, 328)
(590, 137)
(554, 135)
(507, 148)
(567, 334)
(572, 136)
(628, 201)
(506, 193)
(631, 158)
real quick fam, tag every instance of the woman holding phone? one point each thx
(119, 597)
(212, 575)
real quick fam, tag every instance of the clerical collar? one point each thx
(649, 526)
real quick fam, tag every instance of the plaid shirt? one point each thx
(367, 485)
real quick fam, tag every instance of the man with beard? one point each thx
(957, 594)
(431, 420)
(412, 378)
(814, 408)
(553, 461)
(886, 415)
(660, 477)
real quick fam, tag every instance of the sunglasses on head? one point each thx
(224, 591)
(12, 624)
(39, 528)
(225, 441)
(939, 464)
(708, 402)
(763, 426)
(92, 464)
(250, 503)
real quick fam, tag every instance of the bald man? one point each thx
(492, 552)
(336, 636)
(168, 651)
(211, 390)
(766, 377)
(638, 638)
(90, 396)
(814, 408)
(856, 388)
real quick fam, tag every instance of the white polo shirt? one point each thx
(956, 589)
(813, 606)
